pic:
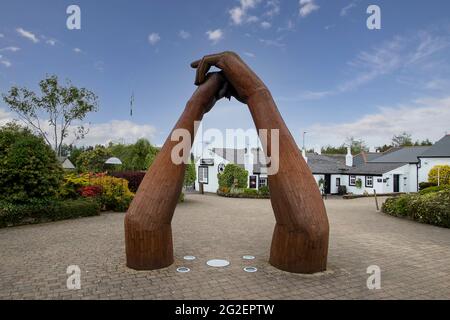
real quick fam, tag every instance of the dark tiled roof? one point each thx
(321, 163)
(401, 155)
(439, 149)
(373, 168)
(364, 157)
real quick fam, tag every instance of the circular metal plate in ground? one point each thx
(218, 263)
(189, 258)
(248, 257)
(183, 269)
(250, 269)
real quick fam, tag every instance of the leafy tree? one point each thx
(231, 174)
(190, 175)
(29, 168)
(425, 142)
(57, 105)
(357, 146)
(384, 148)
(440, 174)
(93, 160)
(402, 140)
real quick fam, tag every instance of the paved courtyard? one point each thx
(414, 258)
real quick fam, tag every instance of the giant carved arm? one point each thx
(148, 232)
(300, 239)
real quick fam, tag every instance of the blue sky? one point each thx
(329, 74)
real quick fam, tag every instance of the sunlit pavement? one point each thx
(414, 258)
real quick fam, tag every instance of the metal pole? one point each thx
(304, 134)
(376, 199)
(439, 177)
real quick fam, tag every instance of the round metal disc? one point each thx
(250, 269)
(218, 263)
(183, 269)
(248, 257)
(189, 258)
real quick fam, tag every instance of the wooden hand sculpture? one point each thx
(148, 232)
(300, 239)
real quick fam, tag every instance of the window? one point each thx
(262, 182)
(203, 175)
(369, 181)
(252, 182)
(338, 182)
(352, 181)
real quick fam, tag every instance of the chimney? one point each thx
(349, 158)
(304, 155)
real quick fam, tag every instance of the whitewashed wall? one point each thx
(427, 164)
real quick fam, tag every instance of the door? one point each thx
(252, 182)
(327, 186)
(396, 183)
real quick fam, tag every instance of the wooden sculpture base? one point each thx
(294, 252)
(148, 249)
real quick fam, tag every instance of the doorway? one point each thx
(327, 185)
(396, 183)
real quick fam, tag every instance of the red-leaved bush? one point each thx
(134, 178)
(90, 191)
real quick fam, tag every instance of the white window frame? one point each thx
(202, 177)
(371, 182)
(350, 180)
(265, 183)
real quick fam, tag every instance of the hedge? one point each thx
(432, 208)
(37, 211)
(263, 193)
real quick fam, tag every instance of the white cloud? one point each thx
(249, 54)
(5, 117)
(307, 7)
(184, 34)
(346, 9)
(154, 38)
(51, 42)
(424, 118)
(6, 63)
(11, 49)
(100, 133)
(405, 54)
(215, 35)
(265, 25)
(2, 35)
(117, 131)
(77, 50)
(273, 8)
(238, 14)
(28, 35)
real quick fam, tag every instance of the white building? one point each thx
(396, 170)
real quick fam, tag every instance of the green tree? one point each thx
(28, 166)
(134, 157)
(59, 106)
(93, 160)
(232, 173)
(357, 146)
(440, 174)
(402, 140)
(190, 175)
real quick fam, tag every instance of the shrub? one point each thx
(71, 185)
(134, 178)
(264, 190)
(93, 160)
(39, 210)
(434, 189)
(431, 208)
(424, 185)
(252, 192)
(233, 176)
(116, 195)
(441, 173)
(28, 166)
(90, 191)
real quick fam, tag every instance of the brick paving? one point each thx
(414, 258)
